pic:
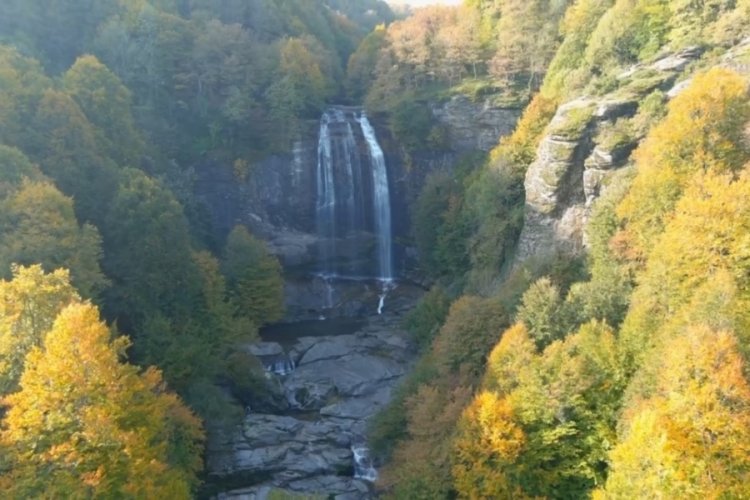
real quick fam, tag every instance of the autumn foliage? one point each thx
(689, 439)
(631, 383)
(85, 424)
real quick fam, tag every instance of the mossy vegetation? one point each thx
(573, 123)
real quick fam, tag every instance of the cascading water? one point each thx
(381, 200)
(325, 207)
(280, 364)
(363, 466)
(353, 201)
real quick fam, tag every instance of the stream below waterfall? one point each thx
(334, 375)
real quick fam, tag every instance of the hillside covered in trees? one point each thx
(586, 336)
(112, 295)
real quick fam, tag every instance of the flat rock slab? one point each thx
(339, 383)
(359, 408)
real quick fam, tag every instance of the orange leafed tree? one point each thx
(704, 130)
(488, 439)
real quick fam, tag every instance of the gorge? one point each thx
(330, 376)
(326, 249)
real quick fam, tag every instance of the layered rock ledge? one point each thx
(338, 384)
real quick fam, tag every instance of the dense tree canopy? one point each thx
(86, 424)
(626, 380)
(626, 371)
(103, 107)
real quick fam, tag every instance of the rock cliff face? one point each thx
(576, 158)
(474, 125)
(276, 199)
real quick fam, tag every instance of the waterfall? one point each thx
(325, 207)
(363, 466)
(280, 364)
(381, 200)
(353, 197)
(353, 205)
(355, 193)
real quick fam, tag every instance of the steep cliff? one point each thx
(588, 141)
(275, 196)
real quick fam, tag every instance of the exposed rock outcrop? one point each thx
(474, 125)
(340, 381)
(575, 160)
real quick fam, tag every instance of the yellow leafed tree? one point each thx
(86, 425)
(690, 439)
(488, 440)
(29, 304)
(703, 131)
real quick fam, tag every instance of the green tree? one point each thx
(227, 71)
(690, 22)
(149, 50)
(628, 32)
(439, 229)
(494, 205)
(254, 278)
(68, 153)
(360, 70)
(425, 320)
(543, 312)
(14, 168)
(147, 252)
(55, 31)
(472, 327)
(302, 77)
(566, 73)
(37, 225)
(23, 83)
(106, 102)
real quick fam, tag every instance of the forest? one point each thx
(115, 299)
(617, 370)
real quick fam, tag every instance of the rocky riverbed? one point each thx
(331, 386)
